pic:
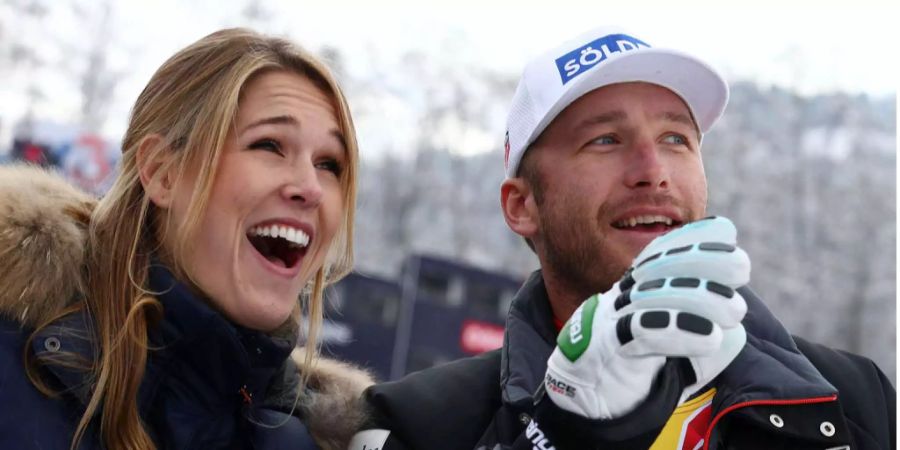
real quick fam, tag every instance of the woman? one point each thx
(164, 314)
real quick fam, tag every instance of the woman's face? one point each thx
(275, 205)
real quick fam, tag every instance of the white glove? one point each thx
(678, 300)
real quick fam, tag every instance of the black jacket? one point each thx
(825, 399)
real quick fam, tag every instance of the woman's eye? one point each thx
(268, 145)
(331, 165)
(675, 139)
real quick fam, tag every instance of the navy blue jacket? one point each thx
(203, 388)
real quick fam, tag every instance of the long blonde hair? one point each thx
(191, 102)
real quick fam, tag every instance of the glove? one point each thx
(678, 300)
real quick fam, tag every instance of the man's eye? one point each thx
(605, 140)
(675, 139)
(268, 145)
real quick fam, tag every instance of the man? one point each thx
(606, 184)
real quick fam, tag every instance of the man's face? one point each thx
(617, 168)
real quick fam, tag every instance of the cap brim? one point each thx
(699, 85)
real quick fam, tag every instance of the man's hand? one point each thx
(677, 301)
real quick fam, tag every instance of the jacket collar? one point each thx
(770, 367)
(191, 338)
(528, 341)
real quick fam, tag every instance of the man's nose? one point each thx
(646, 168)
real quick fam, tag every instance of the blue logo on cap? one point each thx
(589, 55)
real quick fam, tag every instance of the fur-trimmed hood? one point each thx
(43, 232)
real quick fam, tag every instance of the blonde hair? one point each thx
(191, 102)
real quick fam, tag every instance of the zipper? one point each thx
(802, 401)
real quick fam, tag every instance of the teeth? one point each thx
(634, 221)
(295, 236)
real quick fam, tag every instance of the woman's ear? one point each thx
(157, 174)
(519, 208)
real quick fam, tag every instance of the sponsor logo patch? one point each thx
(575, 336)
(559, 386)
(595, 52)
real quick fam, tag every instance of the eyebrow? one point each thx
(618, 115)
(291, 120)
(340, 138)
(607, 117)
(679, 118)
(274, 120)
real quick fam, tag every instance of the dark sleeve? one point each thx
(636, 430)
(28, 418)
(444, 407)
(890, 396)
(867, 397)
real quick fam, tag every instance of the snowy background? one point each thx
(804, 160)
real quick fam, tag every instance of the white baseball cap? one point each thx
(598, 58)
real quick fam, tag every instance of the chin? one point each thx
(265, 315)
(266, 324)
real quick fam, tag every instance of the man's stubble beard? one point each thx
(575, 252)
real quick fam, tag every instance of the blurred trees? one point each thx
(19, 46)
(811, 184)
(63, 45)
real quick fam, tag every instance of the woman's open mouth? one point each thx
(282, 245)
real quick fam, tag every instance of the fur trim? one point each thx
(333, 408)
(43, 229)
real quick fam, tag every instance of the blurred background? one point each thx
(804, 159)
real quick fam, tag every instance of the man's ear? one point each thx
(157, 174)
(519, 207)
